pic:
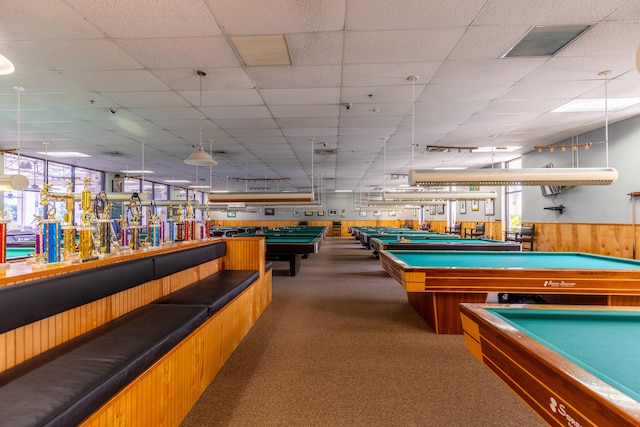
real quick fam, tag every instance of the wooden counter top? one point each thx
(22, 271)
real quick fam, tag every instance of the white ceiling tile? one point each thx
(315, 48)
(283, 77)
(117, 80)
(142, 99)
(388, 74)
(581, 68)
(248, 133)
(382, 94)
(292, 111)
(379, 132)
(509, 70)
(61, 55)
(149, 18)
(237, 112)
(487, 42)
(301, 96)
(220, 98)
(247, 123)
(606, 38)
(49, 19)
(464, 91)
(545, 12)
(370, 47)
(216, 79)
(628, 12)
(311, 132)
(528, 90)
(192, 52)
(278, 16)
(308, 122)
(378, 121)
(410, 14)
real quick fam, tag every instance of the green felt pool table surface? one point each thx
(13, 253)
(604, 343)
(573, 365)
(448, 239)
(512, 260)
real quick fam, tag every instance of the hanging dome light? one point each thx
(200, 157)
(6, 67)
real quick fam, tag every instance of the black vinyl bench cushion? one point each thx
(64, 385)
(173, 262)
(22, 304)
(214, 292)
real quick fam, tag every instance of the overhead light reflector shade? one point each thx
(260, 197)
(531, 176)
(440, 195)
(6, 67)
(200, 158)
(13, 182)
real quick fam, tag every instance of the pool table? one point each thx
(366, 237)
(19, 253)
(386, 243)
(573, 365)
(437, 281)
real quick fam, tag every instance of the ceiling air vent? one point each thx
(545, 40)
(326, 151)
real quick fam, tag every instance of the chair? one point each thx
(337, 228)
(525, 235)
(476, 233)
(426, 226)
(456, 229)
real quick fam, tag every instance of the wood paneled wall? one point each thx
(602, 239)
(344, 224)
(25, 342)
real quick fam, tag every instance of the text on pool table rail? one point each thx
(560, 284)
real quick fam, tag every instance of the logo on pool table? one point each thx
(560, 284)
(560, 409)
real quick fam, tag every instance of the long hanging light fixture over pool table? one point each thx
(531, 176)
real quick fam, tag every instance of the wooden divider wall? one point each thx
(166, 392)
(596, 238)
(344, 224)
(25, 342)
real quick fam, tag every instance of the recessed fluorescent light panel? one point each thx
(501, 149)
(596, 105)
(136, 171)
(545, 40)
(177, 181)
(63, 154)
(262, 50)
(343, 191)
(441, 168)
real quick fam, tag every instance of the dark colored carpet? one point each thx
(340, 346)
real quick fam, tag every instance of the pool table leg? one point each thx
(440, 309)
(294, 263)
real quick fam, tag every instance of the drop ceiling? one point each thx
(272, 125)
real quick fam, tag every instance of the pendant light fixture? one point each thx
(200, 157)
(17, 182)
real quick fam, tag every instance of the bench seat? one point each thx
(64, 385)
(214, 292)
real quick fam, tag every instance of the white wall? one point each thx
(590, 204)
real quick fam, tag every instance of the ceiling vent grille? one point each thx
(541, 41)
